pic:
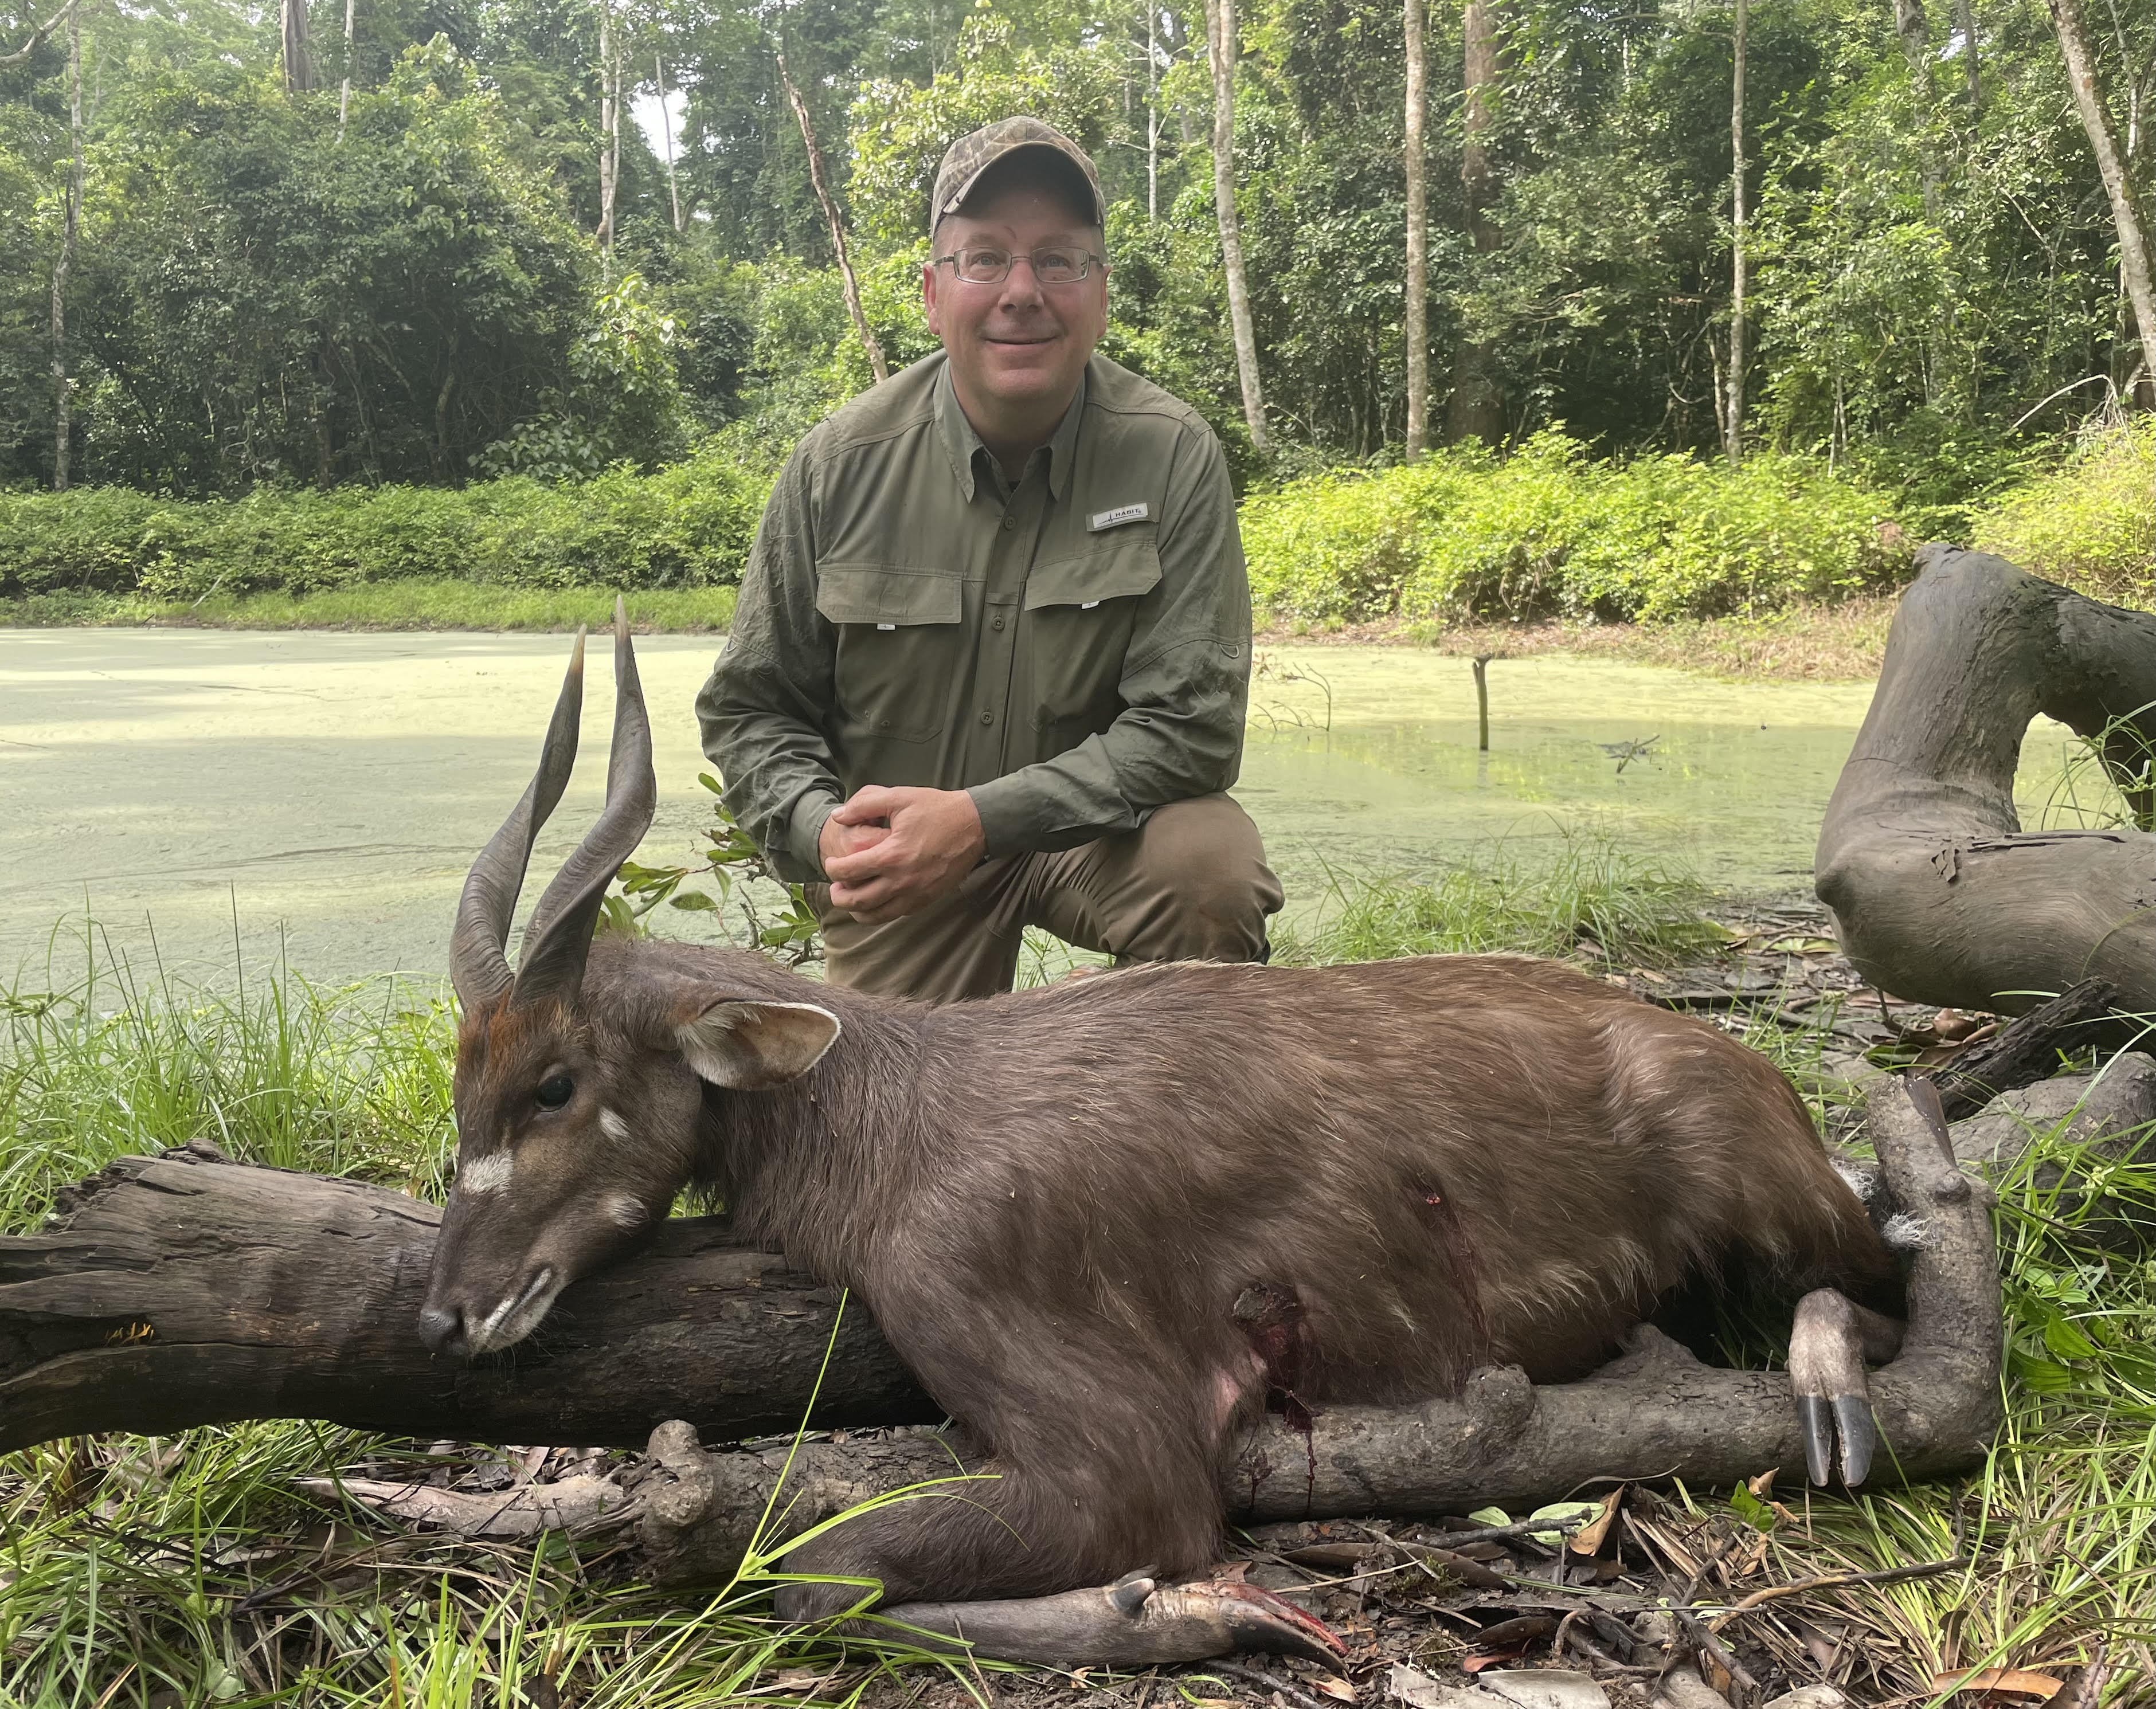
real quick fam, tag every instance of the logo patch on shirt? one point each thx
(1116, 517)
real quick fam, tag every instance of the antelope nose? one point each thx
(443, 1330)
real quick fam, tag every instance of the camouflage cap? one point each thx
(973, 154)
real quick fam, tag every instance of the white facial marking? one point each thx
(488, 1174)
(516, 1316)
(623, 1211)
(613, 1125)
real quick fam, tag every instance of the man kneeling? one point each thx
(992, 655)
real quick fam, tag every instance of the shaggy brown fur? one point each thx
(1104, 1222)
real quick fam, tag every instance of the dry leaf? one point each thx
(1764, 1485)
(1334, 1686)
(2012, 1680)
(1589, 1538)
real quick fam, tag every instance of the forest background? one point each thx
(1721, 305)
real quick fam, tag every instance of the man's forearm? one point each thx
(1150, 756)
(777, 775)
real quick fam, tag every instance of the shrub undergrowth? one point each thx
(1549, 531)
(686, 526)
(2091, 523)
(1545, 530)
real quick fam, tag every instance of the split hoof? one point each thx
(1136, 1622)
(1827, 1348)
(1842, 1423)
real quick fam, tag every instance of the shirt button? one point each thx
(988, 717)
(1010, 522)
(883, 723)
(995, 623)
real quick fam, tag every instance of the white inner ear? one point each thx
(753, 1046)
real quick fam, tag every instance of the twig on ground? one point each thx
(1696, 1629)
(1519, 1527)
(1259, 1677)
(1835, 1581)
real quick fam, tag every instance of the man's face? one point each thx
(1019, 344)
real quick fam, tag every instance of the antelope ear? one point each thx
(754, 1046)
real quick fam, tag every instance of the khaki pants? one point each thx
(1191, 884)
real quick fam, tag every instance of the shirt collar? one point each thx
(961, 444)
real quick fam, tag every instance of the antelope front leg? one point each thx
(1833, 1340)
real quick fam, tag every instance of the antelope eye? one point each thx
(554, 1093)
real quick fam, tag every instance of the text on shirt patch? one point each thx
(1116, 517)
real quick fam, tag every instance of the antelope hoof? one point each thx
(1828, 1348)
(1136, 1622)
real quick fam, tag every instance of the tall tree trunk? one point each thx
(1152, 110)
(63, 263)
(1914, 29)
(1414, 324)
(609, 129)
(1732, 410)
(1473, 413)
(344, 84)
(1225, 46)
(1965, 26)
(2137, 266)
(299, 63)
(666, 129)
(821, 182)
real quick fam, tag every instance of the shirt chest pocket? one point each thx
(899, 633)
(1080, 614)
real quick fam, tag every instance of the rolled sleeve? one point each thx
(1185, 685)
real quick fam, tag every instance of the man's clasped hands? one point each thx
(891, 852)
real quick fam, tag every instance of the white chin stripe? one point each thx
(518, 1315)
(488, 1174)
(613, 1125)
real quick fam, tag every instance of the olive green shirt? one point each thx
(1074, 651)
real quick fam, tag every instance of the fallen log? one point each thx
(187, 1290)
(1937, 893)
(2027, 1049)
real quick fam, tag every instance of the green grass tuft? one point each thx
(1590, 899)
(352, 1081)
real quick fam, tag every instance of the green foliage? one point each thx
(901, 128)
(622, 401)
(1551, 530)
(410, 604)
(2091, 523)
(265, 298)
(739, 874)
(687, 526)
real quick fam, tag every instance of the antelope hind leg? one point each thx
(1136, 1622)
(1833, 1338)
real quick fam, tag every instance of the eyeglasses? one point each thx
(1053, 263)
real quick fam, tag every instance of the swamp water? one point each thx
(320, 796)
